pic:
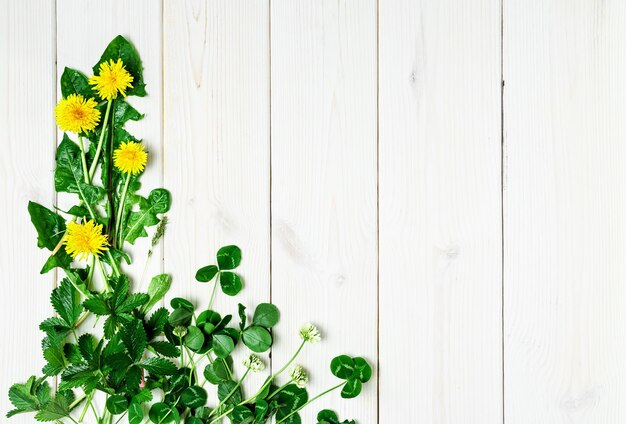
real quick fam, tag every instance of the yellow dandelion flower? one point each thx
(113, 79)
(130, 157)
(82, 240)
(77, 114)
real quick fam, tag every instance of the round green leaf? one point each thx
(224, 391)
(228, 257)
(351, 389)
(223, 345)
(362, 370)
(160, 413)
(258, 339)
(179, 302)
(193, 420)
(117, 404)
(216, 372)
(206, 274)
(266, 315)
(194, 397)
(194, 338)
(135, 413)
(180, 316)
(242, 414)
(342, 366)
(327, 416)
(160, 200)
(231, 283)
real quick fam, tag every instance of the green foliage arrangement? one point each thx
(145, 362)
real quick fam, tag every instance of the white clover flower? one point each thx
(180, 331)
(254, 363)
(310, 333)
(299, 376)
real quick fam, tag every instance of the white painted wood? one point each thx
(324, 238)
(440, 238)
(27, 98)
(216, 85)
(565, 97)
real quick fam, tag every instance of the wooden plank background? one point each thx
(437, 184)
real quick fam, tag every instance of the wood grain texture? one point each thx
(216, 79)
(27, 97)
(564, 102)
(440, 206)
(324, 239)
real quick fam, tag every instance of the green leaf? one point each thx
(123, 112)
(53, 410)
(166, 349)
(65, 300)
(351, 389)
(342, 366)
(258, 339)
(179, 302)
(241, 414)
(180, 316)
(228, 257)
(224, 392)
(223, 345)
(55, 360)
(135, 413)
(97, 305)
(291, 398)
(156, 323)
(133, 301)
(161, 413)
(230, 282)
(327, 416)
(117, 404)
(134, 338)
(206, 274)
(242, 316)
(158, 202)
(266, 315)
(69, 177)
(75, 82)
(22, 399)
(120, 48)
(362, 370)
(217, 372)
(194, 338)
(49, 225)
(159, 286)
(193, 397)
(158, 366)
(87, 346)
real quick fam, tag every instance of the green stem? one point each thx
(219, 417)
(77, 401)
(96, 157)
(311, 400)
(275, 392)
(83, 159)
(82, 414)
(120, 211)
(273, 376)
(105, 279)
(217, 277)
(120, 418)
(243, 377)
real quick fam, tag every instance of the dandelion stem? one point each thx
(120, 210)
(83, 159)
(96, 157)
